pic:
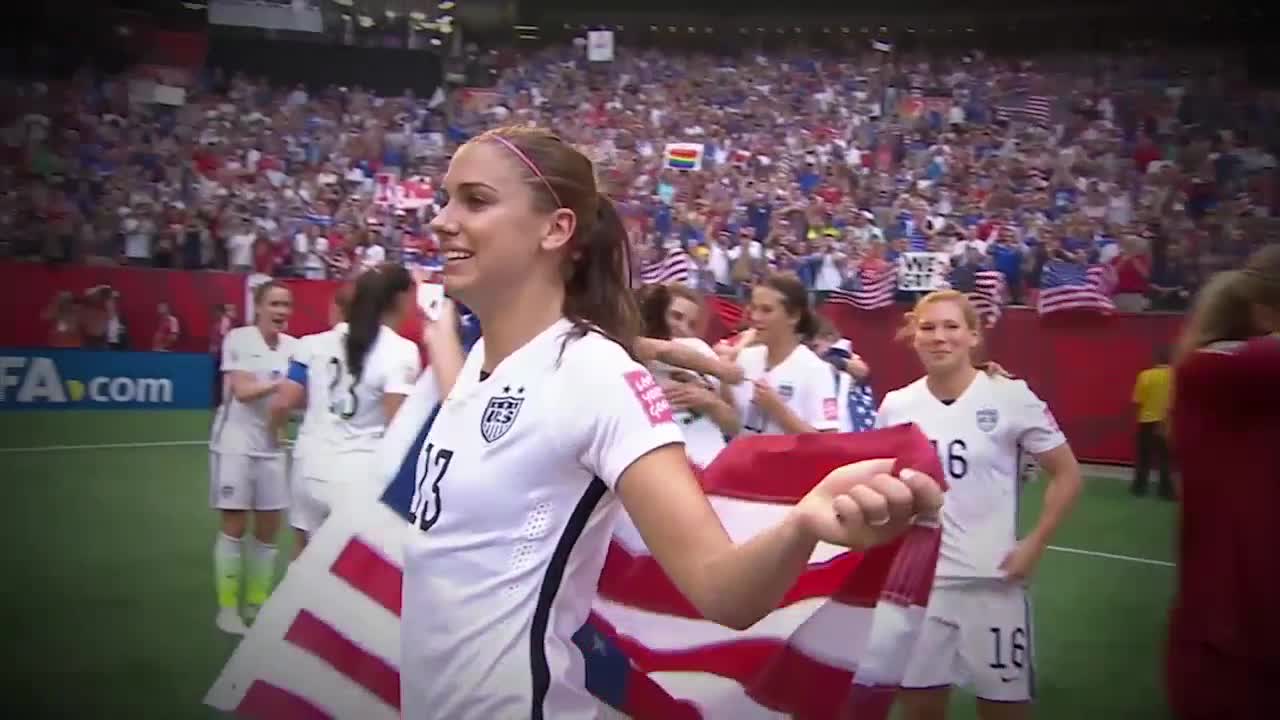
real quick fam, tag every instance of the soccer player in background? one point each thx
(1151, 396)
(353, 379)
(978, 627)
(314, 431)
(850, 376)
(705, 418)
(1224, 633)
(247, 469)
(788, 389)
(548, 427)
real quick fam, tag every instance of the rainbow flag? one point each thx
(683, 156)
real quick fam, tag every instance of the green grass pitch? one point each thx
(108, 602)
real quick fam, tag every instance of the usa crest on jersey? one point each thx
(987, 419)
(499, 415)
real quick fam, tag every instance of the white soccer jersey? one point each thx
(510, 523)
(316, 427)
(241, 428)
(804, 382)
(703, 438)
(979, 438)
(353, 408)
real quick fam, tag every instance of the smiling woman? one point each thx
(550, 428)
(978, 616)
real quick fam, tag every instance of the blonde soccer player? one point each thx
(978, 628)
(550, 426)
(354, 379)
(247, 466)
(788, 388)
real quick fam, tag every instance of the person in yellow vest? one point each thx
(1151, 396)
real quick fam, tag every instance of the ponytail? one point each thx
(598, 292)
(376, 291)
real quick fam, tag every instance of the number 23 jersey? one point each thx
(979, 438)
(512, 517)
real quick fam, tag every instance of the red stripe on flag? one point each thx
(759, 475)
(800, 686)
(363, 668)
(265, 701)
(637, 581)
(684, 154)
(373, 575)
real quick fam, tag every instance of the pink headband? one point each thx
(529, 164)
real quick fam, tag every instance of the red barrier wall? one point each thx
(27, 290)
(1083, 366)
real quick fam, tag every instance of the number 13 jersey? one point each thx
(979, 437)
(512, 516)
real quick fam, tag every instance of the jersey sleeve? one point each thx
(818, 404)
(301, 361)
(1037, 429)
(403, 368)
(233, 352)
(619, 411)
(704, 349)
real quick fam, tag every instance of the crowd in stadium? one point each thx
(828, 166)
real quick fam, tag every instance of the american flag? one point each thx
(1024, 107)
(878, 289)
(1070, 286)
(675, 267)
(326, 645)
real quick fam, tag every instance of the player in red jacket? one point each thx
(1224, 628)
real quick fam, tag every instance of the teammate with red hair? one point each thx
(1224, 633)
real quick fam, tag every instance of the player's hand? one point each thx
(766, 397)
(861, 505)
(994, 369)
(1021, 561)
(685, 396)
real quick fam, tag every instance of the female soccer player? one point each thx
(705, 418)
(549, 425)
(978, 627)
(788, 388)
(354, 379)
(1225, 432)
(850, 376)
(314, 431)
(246, 464)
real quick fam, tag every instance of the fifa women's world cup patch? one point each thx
(650, 396)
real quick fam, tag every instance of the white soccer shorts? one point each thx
(976, 634)
(242, 482)
(324, 483)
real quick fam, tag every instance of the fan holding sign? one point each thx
(923, 271)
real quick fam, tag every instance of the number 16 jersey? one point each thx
(979, 438)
